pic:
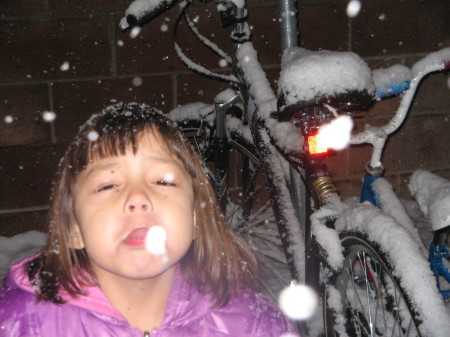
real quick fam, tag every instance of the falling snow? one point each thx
(9, 119)
(164, 28)
(223, 63)
(353, 8)
(155, 241)
(92, 136)
(298, 301)
(65, 66)
(135, 32)
(48, 116)
(137, 81)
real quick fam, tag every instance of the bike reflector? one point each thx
(315, 146)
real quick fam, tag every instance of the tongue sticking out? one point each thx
(137, 237)
(155, 242)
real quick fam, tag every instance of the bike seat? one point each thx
(432, 193)
(311, 78)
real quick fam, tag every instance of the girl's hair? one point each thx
(217, 262)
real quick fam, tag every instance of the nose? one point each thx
(137, 201)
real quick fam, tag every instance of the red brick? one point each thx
(273, 74)
(35, 49)
(349, 188)
(25, 104)
(86, 6)
(152, 50)
(323, 25)
(195, 88)
(443, 173)
(385, 62)
(26, 173)
(433, 95)
(21, 8)
(266, 34)
(15, 223)
(76, 102)
(384, 108)
(423, 142)
(408, 26)
(337, 164)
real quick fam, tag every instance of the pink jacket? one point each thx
(188, 313)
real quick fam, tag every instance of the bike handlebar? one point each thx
(140, 12)
(434, 62)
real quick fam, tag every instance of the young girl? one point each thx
(128, 175)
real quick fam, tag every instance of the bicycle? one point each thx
(246, 121)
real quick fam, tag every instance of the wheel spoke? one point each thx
(248, 211)
(374, 304)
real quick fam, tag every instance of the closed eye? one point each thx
(163, 182)
(106, 187)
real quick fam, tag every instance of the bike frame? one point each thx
(437, 253)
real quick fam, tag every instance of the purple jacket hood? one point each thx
(188, 313)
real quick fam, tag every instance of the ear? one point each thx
(76, 240)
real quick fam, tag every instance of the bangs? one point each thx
(114, 143)
(119, 129)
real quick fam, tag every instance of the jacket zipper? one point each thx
(146, 334)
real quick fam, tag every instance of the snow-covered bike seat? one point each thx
(432, 193)
(341, 79)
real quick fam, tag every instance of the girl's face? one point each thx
(117, 200)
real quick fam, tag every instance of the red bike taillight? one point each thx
(315, 146)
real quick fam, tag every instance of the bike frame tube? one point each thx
(288, 24)
(437, 253)
(289, 39)
(221, 152)
(221, 157)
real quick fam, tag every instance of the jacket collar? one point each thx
(185, 303)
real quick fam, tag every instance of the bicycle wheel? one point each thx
(370, 297)
(248, 211)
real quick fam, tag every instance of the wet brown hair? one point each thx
(217, 261)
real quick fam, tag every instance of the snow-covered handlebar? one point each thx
(139, 12)
(434, 62)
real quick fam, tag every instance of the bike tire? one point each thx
(371, 299)
(249, 213)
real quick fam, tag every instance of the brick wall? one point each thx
(39, 36)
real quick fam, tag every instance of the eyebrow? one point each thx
(113, 164)
(165, 160)
(100, 167)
